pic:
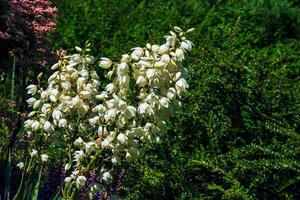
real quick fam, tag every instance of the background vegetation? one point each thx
(237, 135)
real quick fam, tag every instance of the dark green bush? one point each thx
(237, 136)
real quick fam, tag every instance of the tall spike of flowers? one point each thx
(102, 129)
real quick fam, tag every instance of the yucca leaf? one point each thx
(35, 191)
(8, 176)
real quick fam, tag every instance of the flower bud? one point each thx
(178, 29)
(78, 49)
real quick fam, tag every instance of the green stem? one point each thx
(73, 194)
(12, 95)
(93, 160)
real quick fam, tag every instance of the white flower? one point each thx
(106, 177)
(110, 115)
(31, 101)
(80, 181)
(115, 160)
(35, 125)
(65, 85)
(47, 126)
(46, 108)
(75, 100)
(171, 94)
(164, 102)
(128, 156)
(110, 88)
(159, 64)
(44, 95)
(124, 79)
(80, 82)
(28, 123)
(181, 85)
(62, 123)
(102, 95)
(31, 114)
(78, 141)
(105, 63)
(84, 73)
(78, 155)
(53, 77)
(32, 89)
(56, 114)
(171, 40)
(130, 111)
(85, 94)
(122, 68)
(144, 63)
(68, 179)
(44, 157)
(155, 48)
(122, 138)
(125, 58)
(145, 108)
(105, 143)
(180, 54)
(99, 108)
(101, 131)
(141, 81)
(54, 92)
(21, 165)
(163, 49)
(186, 45)
(52, 98)
(33, 153)
(165, 58)
(90, 147)
(95, 120)
(177, 76)
(124, 116)
(137, 53)
(150, 73)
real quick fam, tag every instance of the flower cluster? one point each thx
(63, 107)
(110, 126)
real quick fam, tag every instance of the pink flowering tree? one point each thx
(26, 25)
